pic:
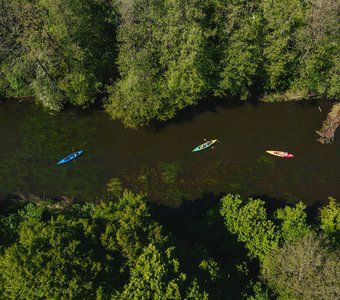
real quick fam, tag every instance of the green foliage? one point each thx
(156, 57)
(251, 225)
(172, 53)
(135, 98)
(162, 61)
(61, 51)
(129, 227)
(89, 251)
(115, 250)
(259, 291)
(294, 225)
(239, 27)
(8, 230)
(306, 265)
(304, 269)
(282, 21)
(330, 218)
(31, 212)
(156, 276)
(194, 293)
(211, 268)
(50, 256)
(185, 52)
(13, 76)
(318, 43)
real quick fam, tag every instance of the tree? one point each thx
(163, 62)
(239, 27)
(330, 219)
(258, 291)
(318, 44)
(305, 269)
(251, 225)
(186, 53)
(91, 251)
(65, 51)
(135, 97)
(294, 225)
(14, 77)
(51, 260)
(156, 275)
(128, 226)
(282, 22)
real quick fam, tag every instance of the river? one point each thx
(158, 160)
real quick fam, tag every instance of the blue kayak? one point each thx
(70, 157)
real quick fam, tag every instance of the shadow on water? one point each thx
(186, 115)
(196, 208)
(313, 102)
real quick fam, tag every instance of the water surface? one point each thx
(158, 160)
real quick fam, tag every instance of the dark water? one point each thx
(158, 160)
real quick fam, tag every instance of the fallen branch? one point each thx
(327, 132)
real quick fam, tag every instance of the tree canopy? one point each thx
(305, 269)
(117, 250)
(57, 51)
(103, 251)
(151, 58)
(297, 260)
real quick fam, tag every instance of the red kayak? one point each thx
(280, 153)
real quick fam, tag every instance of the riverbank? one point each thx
(289, 96)
(329, 126)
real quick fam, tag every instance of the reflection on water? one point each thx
(158, 160)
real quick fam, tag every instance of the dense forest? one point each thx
(236, 249)
(147, 59)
